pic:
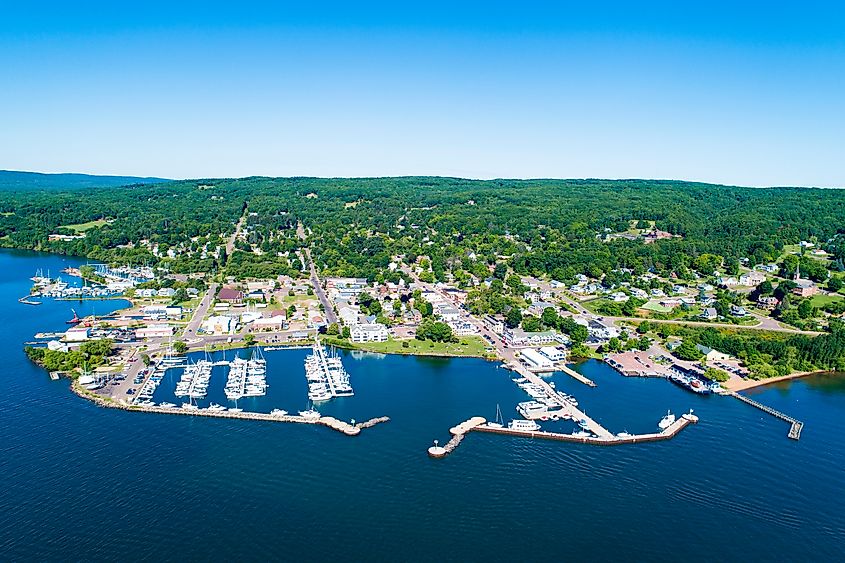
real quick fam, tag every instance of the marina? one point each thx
(326, 375)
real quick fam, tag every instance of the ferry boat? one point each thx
(523, 425)
(666, 421)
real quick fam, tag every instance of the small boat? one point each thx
(236, 409)
(189, 406)
(582, 434)
(278, 412)
(666, 421)
(623, 435)
(309, 414)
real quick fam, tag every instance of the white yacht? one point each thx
(666, 421)
(189, 406)
(278, 412)
(523, 425)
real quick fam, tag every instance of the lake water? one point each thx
(86, 482)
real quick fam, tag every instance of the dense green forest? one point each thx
(553, 227)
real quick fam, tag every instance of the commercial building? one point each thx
(373, 332)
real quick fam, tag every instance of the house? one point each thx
(770, 268)
(767, 302)
(537, 308)
(805, 288)
(639, 293)
(174, 312)
(752, 279)
(727, 281)
(166, 292)
(449, 313)
(712, 355)
(154, 331)
(669, 303)
(145, 293)
(348, 315)
(601, 331)
(371, 332)
(709, 314)
(738, 311)
(618, 297)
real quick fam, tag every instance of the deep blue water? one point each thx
(85, 482)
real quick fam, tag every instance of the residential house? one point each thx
(752, 279)
(709, 314)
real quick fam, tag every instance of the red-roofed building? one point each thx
(230, 295)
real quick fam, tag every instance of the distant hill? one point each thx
(13, 180)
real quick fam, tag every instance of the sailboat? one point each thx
(499, 422)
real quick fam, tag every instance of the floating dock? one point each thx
(796, 426)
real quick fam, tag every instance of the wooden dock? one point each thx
(473, 425)
(796, 426)
(577, 376)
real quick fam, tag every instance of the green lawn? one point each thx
(82, 227)
(822, 300)
(466, 346)
(657, 308)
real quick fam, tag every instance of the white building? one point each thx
(752, 279)
(536, 360)
(154, 331)
(554, 354)
(463, 328)
(373, 332)
(77, 334)
(219, 324)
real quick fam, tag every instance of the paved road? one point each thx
(230, 244)
(318, 289)
(200, 311)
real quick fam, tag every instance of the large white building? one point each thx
(463, 328)
(374, 332)
(219, 324)
(554, 354)
(535, 360)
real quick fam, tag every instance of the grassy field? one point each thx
(822, 300)
(468, 346)
(82, 227)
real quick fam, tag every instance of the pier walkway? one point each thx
(478, 424)
(796, 426)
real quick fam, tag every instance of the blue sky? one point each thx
(751, 95)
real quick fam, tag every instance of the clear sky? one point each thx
(710, 91)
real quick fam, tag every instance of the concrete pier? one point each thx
(577, 376)
(611, 440)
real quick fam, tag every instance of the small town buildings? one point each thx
(166, 292)
(370, 332)
(728, 281)
(519, 337)
(277, 322)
